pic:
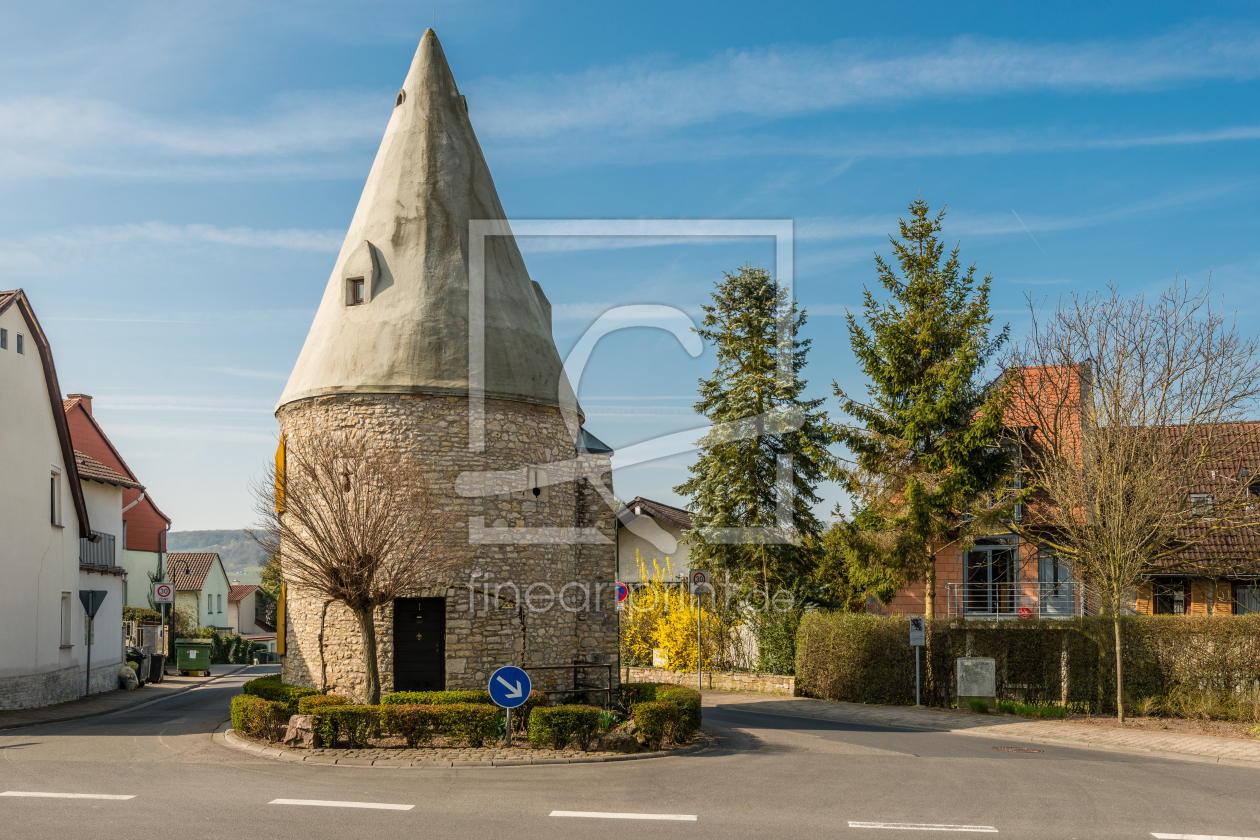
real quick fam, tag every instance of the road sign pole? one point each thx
(916, 676)
(509, 728)
(87, 686)
(699, 648)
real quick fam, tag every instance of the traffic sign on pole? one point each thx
(509, 687)
(623, 594)
(700, 582)
(918, 634)
(163, 593)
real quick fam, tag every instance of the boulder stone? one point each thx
(301, 732)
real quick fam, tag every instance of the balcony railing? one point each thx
(98, 553)
(1017, 600)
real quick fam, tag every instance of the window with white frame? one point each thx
(54, 497)
(1201, 504)
(66, 615)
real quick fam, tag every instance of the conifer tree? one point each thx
(925, 447)
(768, 445)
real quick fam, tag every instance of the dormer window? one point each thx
(354, 291)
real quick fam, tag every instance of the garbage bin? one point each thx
(140, 662)
(157, 667)
(192, 657)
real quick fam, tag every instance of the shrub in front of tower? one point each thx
(312, 704)
(522, 713)
(471, 723)
(414, 723)
(558, 726)
(357, 725)
(434, 698)
(270, 688)
(688, 699)
(258, 718)
(630, 693)
(659, 721)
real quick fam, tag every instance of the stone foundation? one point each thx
(719, 681)
(491, 618)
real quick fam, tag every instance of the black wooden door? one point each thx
(419, 644)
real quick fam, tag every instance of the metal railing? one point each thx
(580, 684)
(97, 553)
(1016, 600)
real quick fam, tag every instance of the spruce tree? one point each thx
(736, 482)
(925, 447)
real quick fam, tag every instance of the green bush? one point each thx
(522, 713)
(658, 720)
(416, 724)
(630, 693)
(356, 724)
(143, 614)
(1011, 707)
(558, 726)
(472, 723)
(256, 717)
(270, 688)
(689, 700)
(312, 703)
(980, 707)
(435, 698)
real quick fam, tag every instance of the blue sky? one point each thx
(175, 179)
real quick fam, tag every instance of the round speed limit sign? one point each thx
(163, 593)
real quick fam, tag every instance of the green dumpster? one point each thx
(192, 656)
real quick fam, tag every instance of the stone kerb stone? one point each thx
(483, 632)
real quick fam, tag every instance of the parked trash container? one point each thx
(192, 657)
(139, 662)
(157, 667)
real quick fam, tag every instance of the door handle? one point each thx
(419, 636)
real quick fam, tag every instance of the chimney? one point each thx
(85, 400)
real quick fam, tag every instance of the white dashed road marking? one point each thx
(604, 815)
(328, 803)
(64, 795)
(983, 829)
(1198, 837)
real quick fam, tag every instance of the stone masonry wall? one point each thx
(497, 609)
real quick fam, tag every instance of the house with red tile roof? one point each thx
(243, 615)
(60, 516)
(649, 531)
(202, 589)
(143, 536)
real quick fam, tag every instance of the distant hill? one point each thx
(241, 556)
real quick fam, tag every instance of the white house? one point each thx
(651, 532)
(243, 612)
(47, 524)
(202, 589)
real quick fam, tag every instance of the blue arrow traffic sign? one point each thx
(509, 687)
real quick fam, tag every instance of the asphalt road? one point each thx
(773, 777)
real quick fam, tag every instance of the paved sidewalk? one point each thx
(1192, 747)
(112, 701)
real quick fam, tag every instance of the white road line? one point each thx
(327, 803)
(983, 829)
(1198, 837)
(604, 815)
(64, 795)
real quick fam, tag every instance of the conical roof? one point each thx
(409, 243)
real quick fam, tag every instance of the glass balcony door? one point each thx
(992, 574)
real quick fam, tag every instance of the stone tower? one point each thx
(400, 353)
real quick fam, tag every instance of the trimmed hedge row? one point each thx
(434, 698)
(663, 711)
(468, 723)
(258, 718)
(312, 704)
(558, 726)
(1188, 666)
(270, 688)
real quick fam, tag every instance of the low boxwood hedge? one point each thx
(557, 726)
(688, 699)
(414, 723)
(256, 717)
(270, 688)
(435, 698)
(639, 692)
(660, 721)
(311, 705)
(356, 724)
(472, 723)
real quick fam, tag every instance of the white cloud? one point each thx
(649, 94)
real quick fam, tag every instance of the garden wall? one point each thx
(1181, 665)
(718, 681)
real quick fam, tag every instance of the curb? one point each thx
(225, 736)
(140, 703)
(1037, 739)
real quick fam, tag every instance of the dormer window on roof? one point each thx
(354, 291)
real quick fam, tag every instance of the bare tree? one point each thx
(357, 526)
(1136, 422)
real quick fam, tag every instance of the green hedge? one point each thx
(311, 704)
(660, 721)
(434, 698)
(630, 693)
(688, 699)
(558, 726)
(256, 717)
(270, 688)
(416, 724)
(472, 723)
(1186, 666)
(356, 724)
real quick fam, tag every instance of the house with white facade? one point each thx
(243, 615)
(202, 588)
(651, 532)
(53, 528)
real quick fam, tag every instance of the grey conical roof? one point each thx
(409, 240)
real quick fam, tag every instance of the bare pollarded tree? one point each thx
(1139, 424)
(355, 525)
